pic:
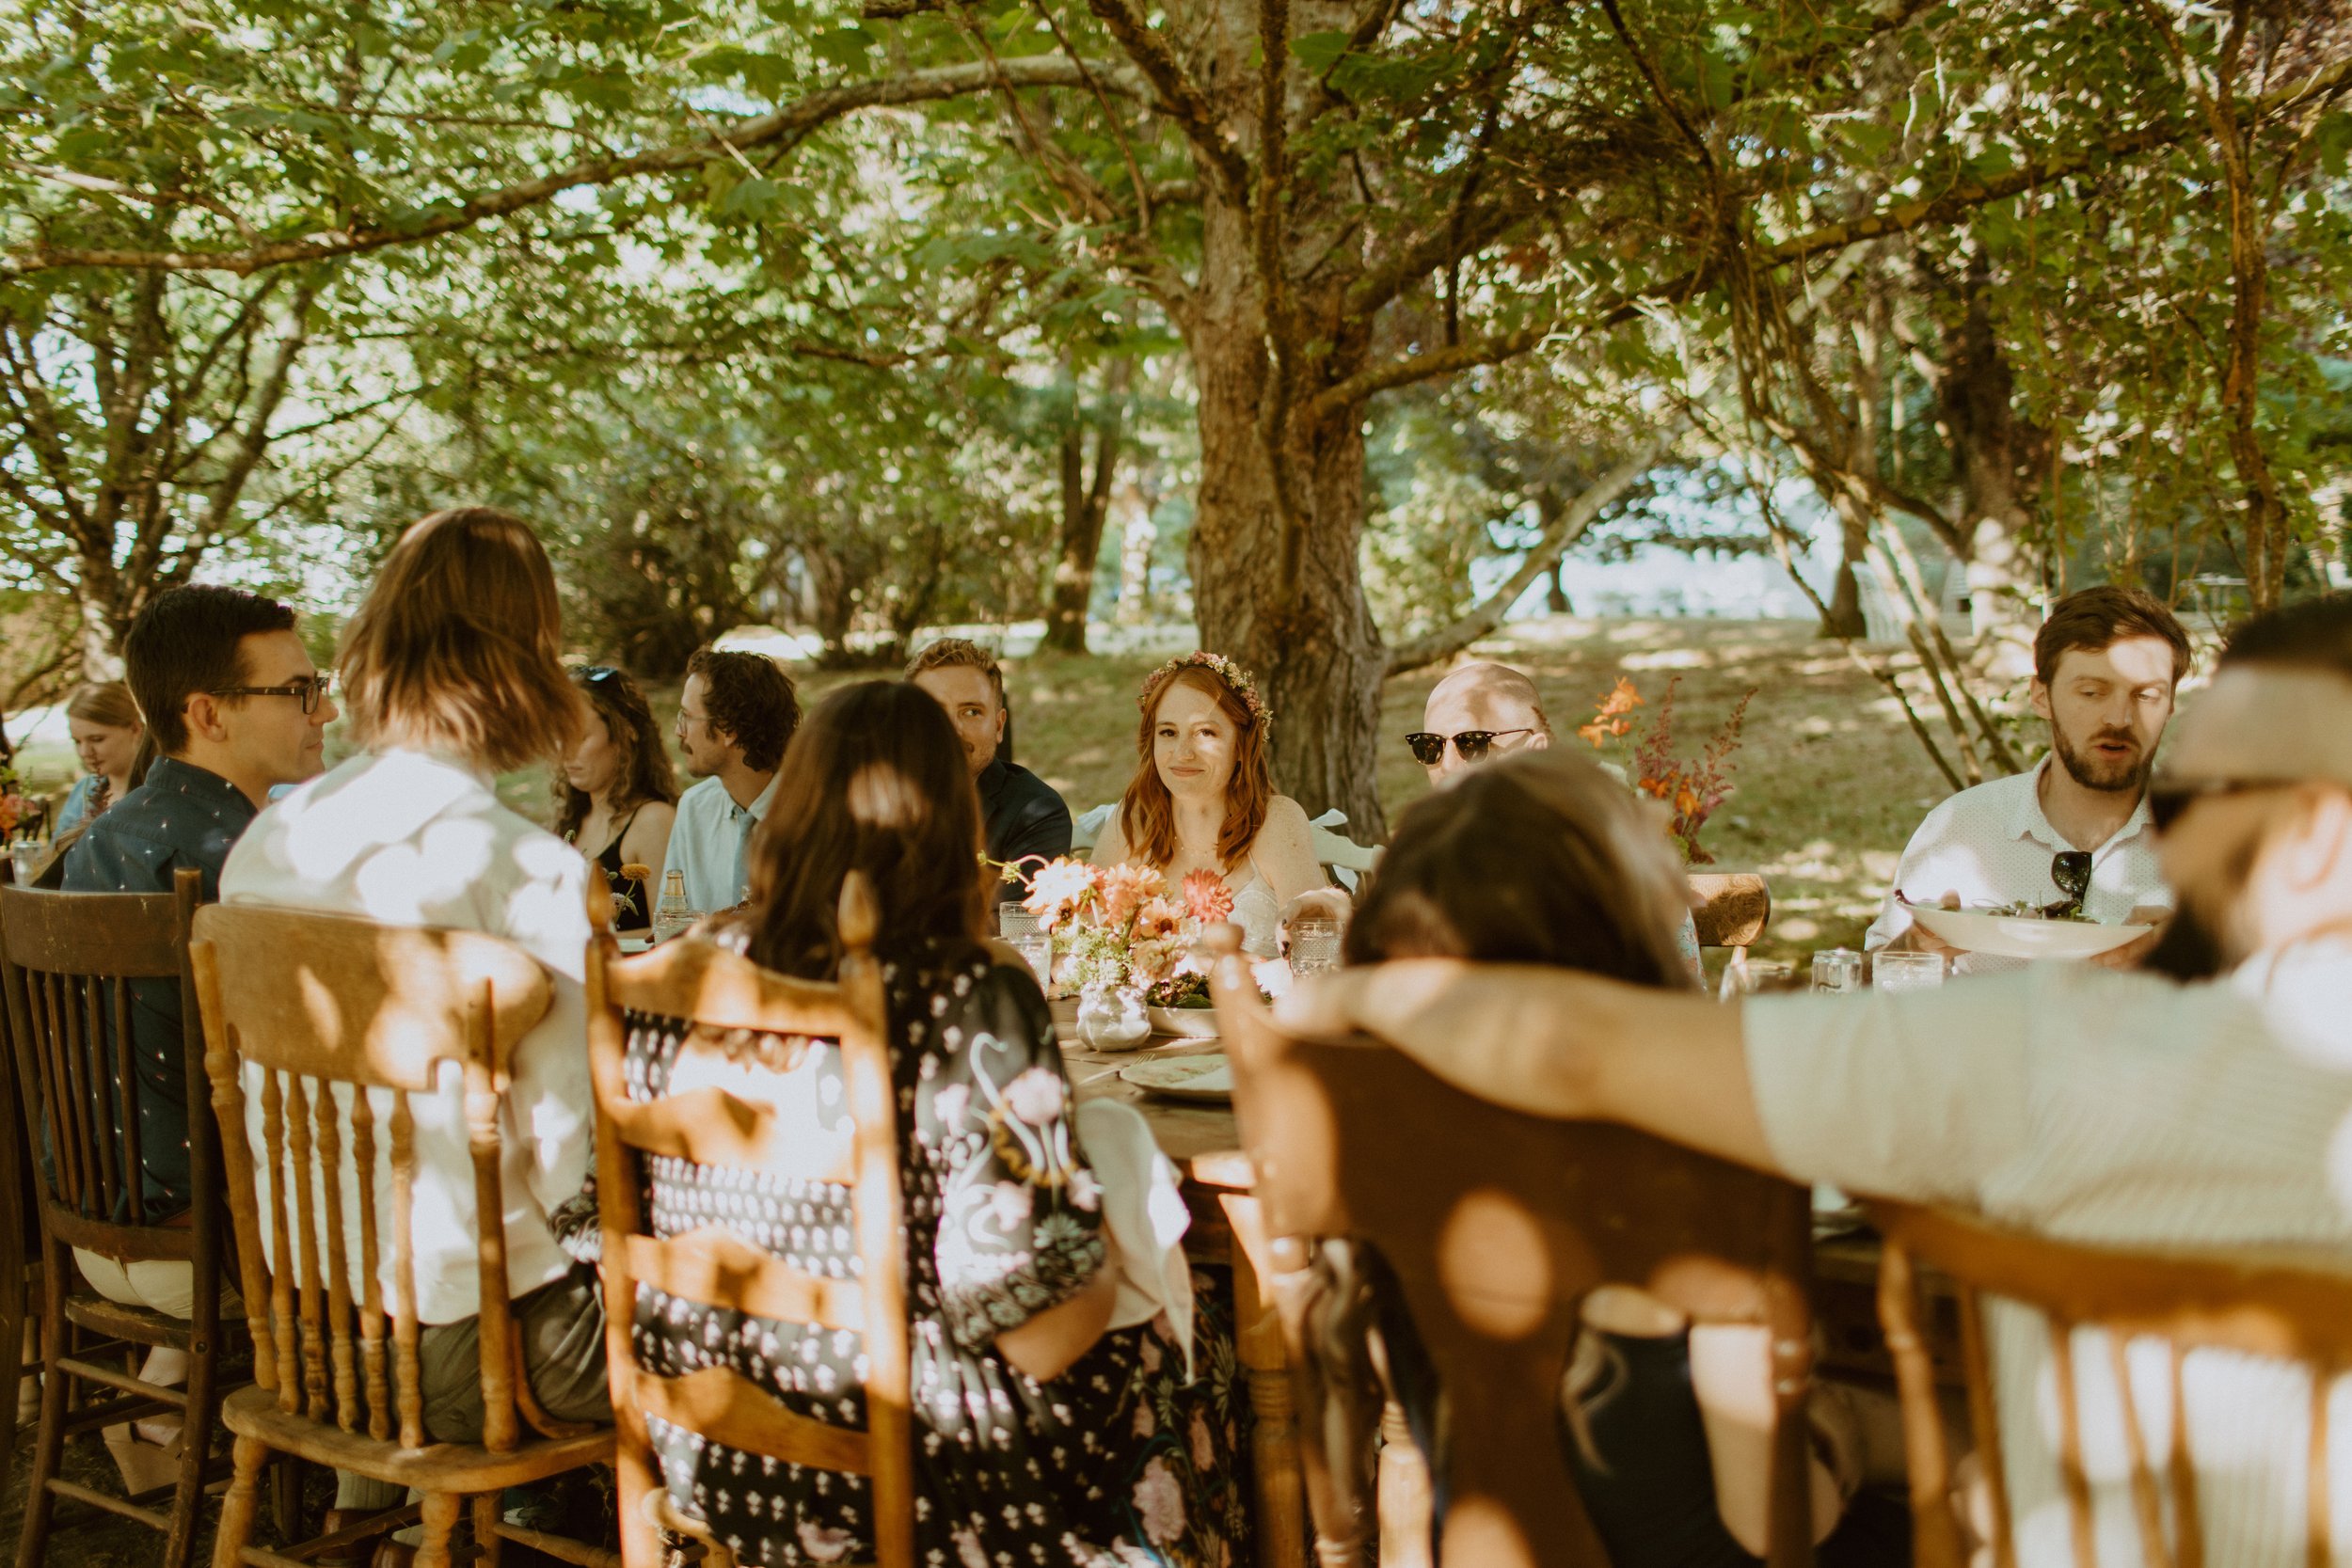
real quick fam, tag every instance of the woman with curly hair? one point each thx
(616, 794)
(1202, 800)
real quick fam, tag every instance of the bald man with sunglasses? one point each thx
(2112, 1109)
(1479, 711)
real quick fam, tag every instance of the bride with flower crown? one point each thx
(1202, 800)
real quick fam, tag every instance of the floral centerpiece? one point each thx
(1117, 925)
(1689, 787)
(1118, 930)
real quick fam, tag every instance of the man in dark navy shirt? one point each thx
(235, 706)
(1025, 818)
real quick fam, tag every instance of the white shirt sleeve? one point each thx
(551, 1095)
(1916, 1096)
(1893, 920)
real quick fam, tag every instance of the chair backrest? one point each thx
(72, 960)
(1732, 907)
(2274, 1304)
(316, 1002)
(1494, 1224)
(716, 990)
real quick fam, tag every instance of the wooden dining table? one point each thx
(1203, 1142)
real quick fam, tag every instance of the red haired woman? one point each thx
(1202, 799)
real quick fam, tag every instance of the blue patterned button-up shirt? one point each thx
(182, 815)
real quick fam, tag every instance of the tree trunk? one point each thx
(1999, 459)
(1556, 592)
(1842, 617)
(1084, 503)
(1317, 655)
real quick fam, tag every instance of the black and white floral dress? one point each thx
(1115, 1464)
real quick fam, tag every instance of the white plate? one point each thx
(1208, 1077)
(2009, 936)
(1192, 1023)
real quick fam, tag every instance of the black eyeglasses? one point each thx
(2070, 870)
(310, 690)
(2168, 799)
(1470, 744)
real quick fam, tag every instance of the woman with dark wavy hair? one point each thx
(1042, 1434)
(618, 789)
(1202, 799)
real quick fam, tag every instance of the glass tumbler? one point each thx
(1314, 945)
(1900, 972)
(1837, 972)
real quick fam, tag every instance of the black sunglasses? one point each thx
(309, 689)
(2070, 870)
(596, 675)
(2167, 800)
(1470, 745)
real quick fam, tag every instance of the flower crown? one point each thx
(1237, 680)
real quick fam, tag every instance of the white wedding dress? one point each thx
(1258, 915)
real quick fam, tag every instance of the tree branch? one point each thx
(1181, 96)
(1558, 537)
(788, 126)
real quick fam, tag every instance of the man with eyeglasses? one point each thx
(2128, 1110)
(236, 708)
(734, 719)
(2073, 835)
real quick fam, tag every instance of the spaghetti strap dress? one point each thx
(633, 900)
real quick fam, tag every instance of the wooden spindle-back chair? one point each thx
(717, 991)
(2272, 1304)
(71, 960)
(318, 1002)
(21, 1273)
(1492, 1225)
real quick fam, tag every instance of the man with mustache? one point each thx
(2107, 664)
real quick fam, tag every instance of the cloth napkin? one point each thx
(1146, 1217)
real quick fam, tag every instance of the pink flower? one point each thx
(1059, 889)
(1161, 1502)
(1145, 1424)
(1035, 1096)
(969, 1552)
(1207, 897)
(1124, 890)
(1203, 1446)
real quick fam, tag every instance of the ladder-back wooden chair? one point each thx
(1491, 1225)
(316, 1002)
(71, 960)
(720, 992)
(2276, 1304)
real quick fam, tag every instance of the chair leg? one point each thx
(285, 1497)
(487, 1546)
(440, 1519)
(49, 1435)
(187, 1501)
(236, 1509)
(12, 1357)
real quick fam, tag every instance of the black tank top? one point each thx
(633, 900)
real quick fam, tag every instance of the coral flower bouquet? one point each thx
(1118, 926)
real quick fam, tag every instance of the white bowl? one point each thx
(1192, 1023)
(2009, 936)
